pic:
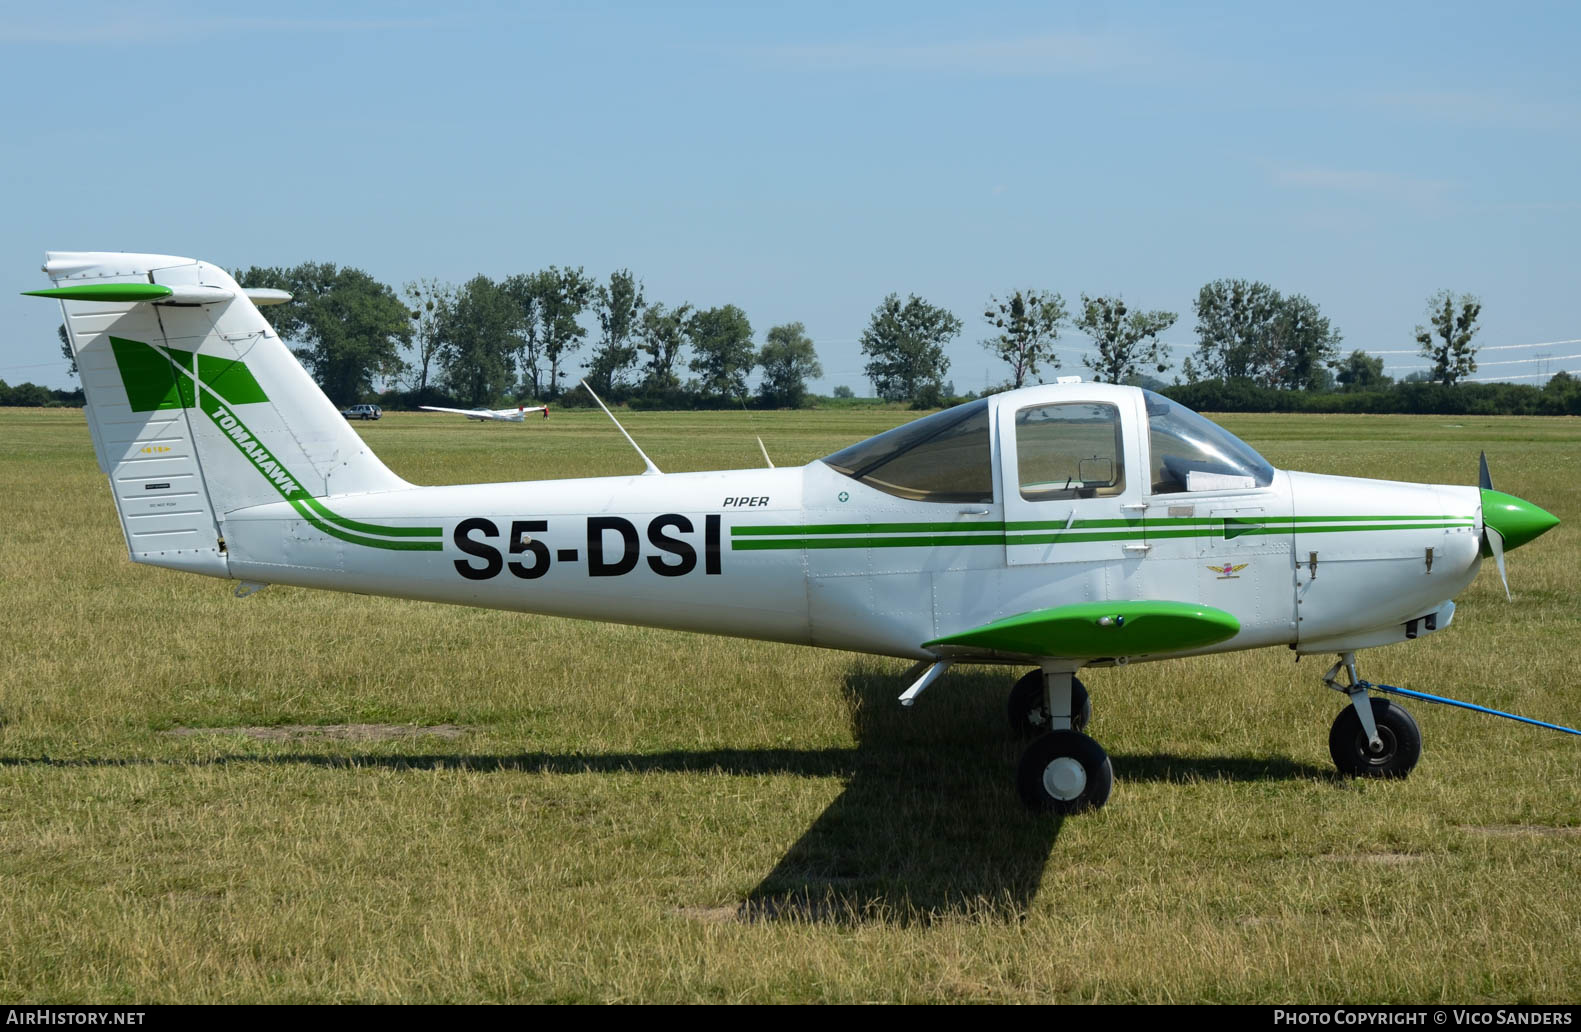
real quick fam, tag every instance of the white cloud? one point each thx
(155, 28)
(1043, 55)
(1390, 186)
(1487, 109)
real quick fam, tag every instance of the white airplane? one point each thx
(1057, 527)
(504, 415)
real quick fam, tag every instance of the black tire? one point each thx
(1028, 707)
(1039, 780)
(1402, 742)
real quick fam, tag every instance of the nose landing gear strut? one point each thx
(1372, 738)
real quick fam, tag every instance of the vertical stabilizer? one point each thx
(196, 407)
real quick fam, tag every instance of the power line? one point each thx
(1497, 347)
(1500, 379)
(1508, 361)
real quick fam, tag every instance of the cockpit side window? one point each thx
(1189, 453)
(945, 457)
(1072, 450)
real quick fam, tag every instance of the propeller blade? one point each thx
(1495, 542)
(1485, 481)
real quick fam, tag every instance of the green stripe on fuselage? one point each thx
(947, 535)
(305, 504)
(1209, 524)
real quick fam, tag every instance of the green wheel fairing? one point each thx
(1094, 630)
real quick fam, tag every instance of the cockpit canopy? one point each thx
(1066, 447)
(945, 457)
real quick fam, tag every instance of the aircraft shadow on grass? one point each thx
(924, 829)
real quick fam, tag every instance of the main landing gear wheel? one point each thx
(1064, 772)
(1400, 742)
(1029, 711)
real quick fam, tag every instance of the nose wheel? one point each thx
(1398, 744)
(1371, 738)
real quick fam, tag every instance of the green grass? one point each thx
(638, 815)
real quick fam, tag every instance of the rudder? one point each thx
(195, 405)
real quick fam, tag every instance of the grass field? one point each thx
(319, 797)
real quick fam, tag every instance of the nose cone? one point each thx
(1517, 521)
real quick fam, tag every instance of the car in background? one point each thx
(362, 412)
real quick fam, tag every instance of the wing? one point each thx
(476, 413)
(1093, 630)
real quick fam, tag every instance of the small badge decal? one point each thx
(845, 496)
(1228, 572)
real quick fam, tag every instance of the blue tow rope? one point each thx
(1390, 689)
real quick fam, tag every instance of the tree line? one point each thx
(522, 337)
(532, 336)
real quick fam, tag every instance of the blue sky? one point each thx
(804, 160)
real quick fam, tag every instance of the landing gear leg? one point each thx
(1029, 710)
(1372, 737)
(1357, 693)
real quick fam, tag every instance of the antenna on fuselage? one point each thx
(762, 449)
(645, 460)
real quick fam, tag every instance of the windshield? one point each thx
(1192, 454)
(944, 457)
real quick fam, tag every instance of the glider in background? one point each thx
(504, 415)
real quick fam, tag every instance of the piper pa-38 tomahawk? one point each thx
(1056, 527)
(504, 415)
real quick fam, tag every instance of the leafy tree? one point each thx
(1234, 325)
(722, 350)
(28, 395)
(1362, 372)
(843, 391)
(1448, 343)
(905, 347)
(350, 327)
(1248, 329)
(563, 296)
(524, 290)
(477, 334)
(1302, 348)
(426, 299)
(1126, 340)
(550, 303)
(1563, 394)
(618, 307)
(1029, 323)
(661, 336)
(65, 348)
(788, 360)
